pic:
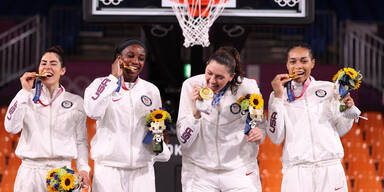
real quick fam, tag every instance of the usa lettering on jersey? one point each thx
(11, 111)
(272, 123)
(101, 88)
(186, 135)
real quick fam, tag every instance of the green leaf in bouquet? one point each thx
(341, 75)
(61, 172)
(343, 107)
(244, 104)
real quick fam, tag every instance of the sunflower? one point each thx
(338, 75)
(67, 182)
(357, 85)
(350, 72)
(241, 99)
(50, 176)
(158, 115)
(256, 101)
(51, 189)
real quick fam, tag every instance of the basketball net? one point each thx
(196, 17)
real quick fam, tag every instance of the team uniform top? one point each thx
(51, 128)
(216, 141)
(311, 125)
(121, 124)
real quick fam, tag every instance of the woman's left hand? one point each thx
(84, 178)
(255, 135)
(348, 101)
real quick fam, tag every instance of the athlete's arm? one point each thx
(188, 122)
(13, 121)
(98, 95)
(343, 121)
(276, 125)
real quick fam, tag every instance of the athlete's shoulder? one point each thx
(248, 81)
(147, 84)
(322, 83)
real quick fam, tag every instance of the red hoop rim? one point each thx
(202, 2)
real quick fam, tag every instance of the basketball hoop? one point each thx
(196, 17)
(284, 3)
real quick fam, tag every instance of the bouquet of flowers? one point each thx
(157, 121)
(254, 104)
(62, 180)
(346, 79)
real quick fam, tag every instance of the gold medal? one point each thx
(293, 76)
(43, 75)
(129, 67)
(206, 93)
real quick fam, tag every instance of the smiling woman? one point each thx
(52, 125)
(217, 153)
(120, 103)
(304, 113)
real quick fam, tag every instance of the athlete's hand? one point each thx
(348, 101)
(255, 135)
(84, 178)
(278, 84)
(195, 95)
(117, 67)
(27, 80)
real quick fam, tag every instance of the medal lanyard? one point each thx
(38, 87)
(121, 84)
(217, 98)
(38, 90)
(291, 94)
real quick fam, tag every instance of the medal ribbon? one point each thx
(38, 86)
(217, 98)
(38, 93)
(121, 84)
(291, 95)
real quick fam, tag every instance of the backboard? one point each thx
(160, 11)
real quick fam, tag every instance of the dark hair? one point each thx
(59, 52)
(230, 57)
(302, 45)
(125, 44)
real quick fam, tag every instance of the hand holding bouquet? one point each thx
(157, 121)
(254, 104)
(346, 79)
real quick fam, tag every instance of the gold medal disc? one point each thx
(206, 93)
(43, 75)
(129, 67)
(293, 76)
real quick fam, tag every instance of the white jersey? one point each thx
(311, 125)
(216, 141)
(51, 128)
(121, 125)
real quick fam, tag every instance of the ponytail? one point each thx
(230, 57)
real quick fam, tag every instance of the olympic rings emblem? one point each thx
(113, 2)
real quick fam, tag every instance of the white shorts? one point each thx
(31, 174)
(197, 179)
(115, 179)
(316, 177)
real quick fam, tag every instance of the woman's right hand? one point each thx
(195, 95)
(27, 80)
(278, 84)
(117, 68)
